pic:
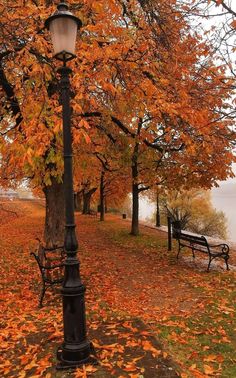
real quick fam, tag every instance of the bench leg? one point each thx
(178, 252)
(193, 253)
(210, 260)
(226, 262)
(42, 295)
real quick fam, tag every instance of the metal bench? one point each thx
(51, 265)
(93, 213)
(200, 244)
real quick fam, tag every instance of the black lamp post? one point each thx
(76, 349)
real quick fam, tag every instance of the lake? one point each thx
(224, 199)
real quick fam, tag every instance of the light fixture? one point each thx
(63, 27)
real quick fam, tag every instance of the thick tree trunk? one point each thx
(158, 216)
(54, 227)
(87, 199)
(102, 209)
(78, 201)
(135, 193)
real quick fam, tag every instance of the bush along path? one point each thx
(136, 294)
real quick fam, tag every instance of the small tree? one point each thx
(194, 210)
(206, 220)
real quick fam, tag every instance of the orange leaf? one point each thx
(208, 369)
(210, 358)
(130, 367)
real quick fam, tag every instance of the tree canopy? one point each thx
(142, 73)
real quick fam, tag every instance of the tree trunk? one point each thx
(158, 216)
(102, 209)
(105, 205)
(135, 192)
(54, 227)
(135, 208)
(87, 199)
(78, 201)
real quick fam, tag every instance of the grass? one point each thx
(205, 343)
(209, 336)
(122, 237)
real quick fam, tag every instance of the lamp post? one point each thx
(76, 349)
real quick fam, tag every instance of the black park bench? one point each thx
(93, 213)
(51, 265)
(200, 244)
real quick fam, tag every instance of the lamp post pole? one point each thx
(76, 349)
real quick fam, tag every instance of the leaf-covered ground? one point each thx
(136, 293)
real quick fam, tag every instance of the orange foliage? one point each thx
(129, 67)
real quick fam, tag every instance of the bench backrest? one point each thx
(201, 240)
(51, 263)
(47, 257)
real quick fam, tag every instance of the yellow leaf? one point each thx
(77, 108)
(208, 369)
(165, 354)
(84, 123)
(210, 358)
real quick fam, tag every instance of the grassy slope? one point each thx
(203, 340)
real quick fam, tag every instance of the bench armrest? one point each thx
(44, 266)
(53, 266)
(224, 247)
(54, 248)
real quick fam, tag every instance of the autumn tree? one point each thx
(32, 143)
(101, 163)
(154, 195)
(216, 21)
(194, 210)
(175, 102)
(131, 75)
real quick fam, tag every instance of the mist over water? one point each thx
(224, 199)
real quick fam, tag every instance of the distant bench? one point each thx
(93, 213)
(200, 244)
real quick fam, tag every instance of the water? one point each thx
(224, 199)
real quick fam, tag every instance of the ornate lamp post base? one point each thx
(76, 349)
(79, 356)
